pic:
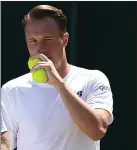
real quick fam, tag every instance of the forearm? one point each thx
(86, 118)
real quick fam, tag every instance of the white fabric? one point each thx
(3, 126)
(37, 119)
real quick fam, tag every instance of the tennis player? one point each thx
(72, 111)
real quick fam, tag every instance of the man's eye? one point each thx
(32, 41)
(47, 39)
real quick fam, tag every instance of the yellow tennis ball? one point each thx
(40, 76)
(32, 62)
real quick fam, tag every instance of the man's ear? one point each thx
(65, 38)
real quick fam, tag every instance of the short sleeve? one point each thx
(99, 94)
(8, 115)
(3, 126)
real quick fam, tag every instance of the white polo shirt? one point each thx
(37, 119)
(3, 126)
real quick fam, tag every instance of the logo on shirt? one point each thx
(79, 93)
(104, 88)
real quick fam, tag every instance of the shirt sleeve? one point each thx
(8, 113)
(3, 126)
(99, 94)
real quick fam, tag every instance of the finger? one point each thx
(41, 56)
(41, 63)
(40, 66)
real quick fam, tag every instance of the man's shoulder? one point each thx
(20, 81)
(89, 73)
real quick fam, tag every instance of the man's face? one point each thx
(43, 36)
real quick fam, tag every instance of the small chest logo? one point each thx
(79, 93)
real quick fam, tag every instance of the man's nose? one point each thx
(41, 46)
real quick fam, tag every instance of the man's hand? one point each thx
(48, 65)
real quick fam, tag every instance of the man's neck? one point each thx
(64, 69)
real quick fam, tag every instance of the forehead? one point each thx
(42, 26)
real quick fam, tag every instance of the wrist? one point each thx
(59, 84)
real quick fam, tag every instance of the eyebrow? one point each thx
(48, 37)
(41, 37)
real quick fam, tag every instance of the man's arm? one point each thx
(93, 122)
(4, 135)
(5, 141)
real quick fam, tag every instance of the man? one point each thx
(4, 136)
(72, 110)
